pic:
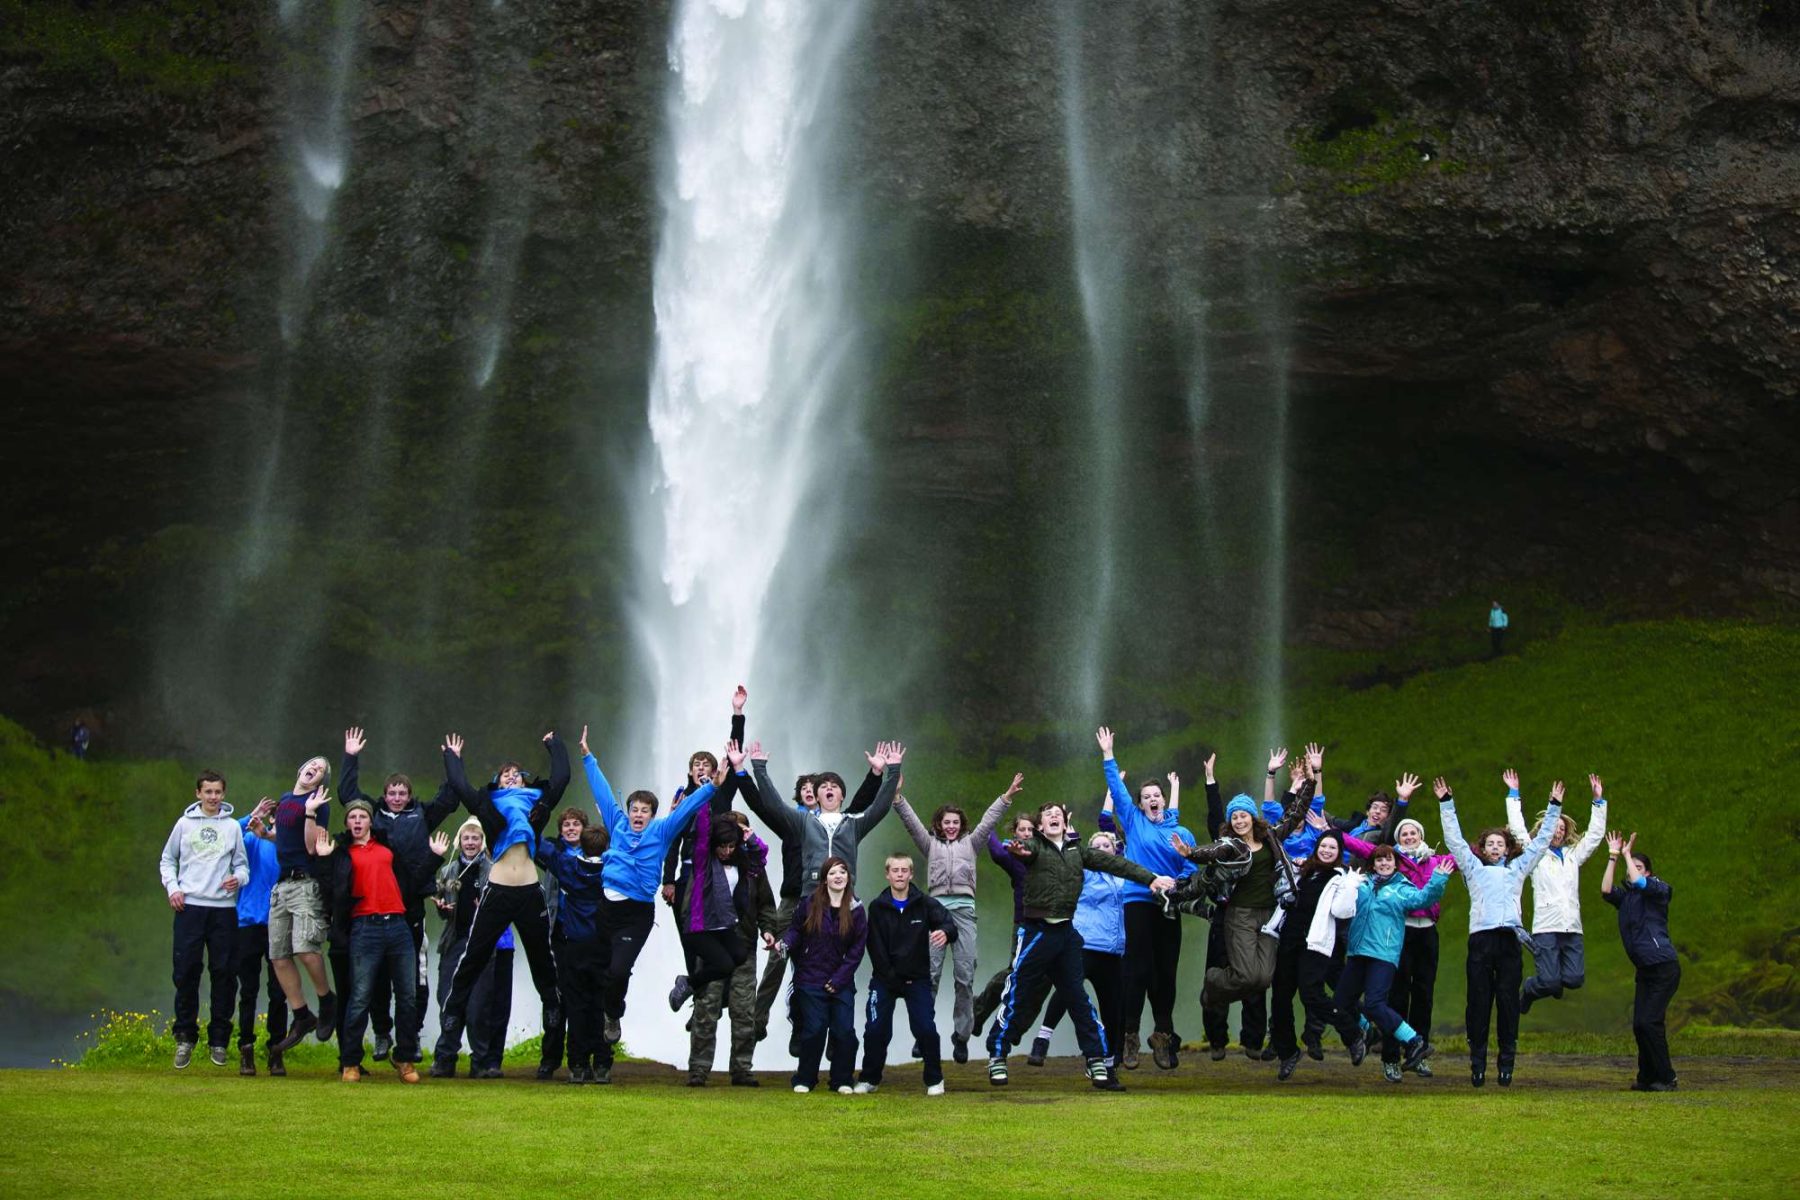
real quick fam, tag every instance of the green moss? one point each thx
(141, 44)
(1362, 159)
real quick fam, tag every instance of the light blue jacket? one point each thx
(1494, 889)
(1379, 928)
(1146, 841)
(1100, 913)
(634, 860)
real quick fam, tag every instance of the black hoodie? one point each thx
(900, 939)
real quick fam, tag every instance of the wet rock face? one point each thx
(1532, 268)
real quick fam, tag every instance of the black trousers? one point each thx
(1495, 970)
(626, 926)
(252, 965)
(713, 955)
(521, 906)
(207, 932)
(1047, 952)
(490, 1007)
(1317, 973)
(381, 1005)
(1254, 1013)
(343, 979)
(1152, 957)
(556, 1021)
(1656, 986)
(1105, 973)
(1414, 982)
(1286, 988)
(583, 979)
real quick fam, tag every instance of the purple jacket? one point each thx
(752, 860)
(1417, 871)
(1016, 868)
(830, 957)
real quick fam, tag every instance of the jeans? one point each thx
(1561, 962)
(1367, 980)
(209, 932)
(825, 1018)
(381, 1004)
(381, 946)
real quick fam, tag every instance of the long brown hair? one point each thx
(820, 901)
(1513, 849)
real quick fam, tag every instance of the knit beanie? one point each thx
(1240, 803)
(471, 823)
(359, 803)
(1271, 811)
(1424, 850)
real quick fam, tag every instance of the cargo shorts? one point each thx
(296, 918)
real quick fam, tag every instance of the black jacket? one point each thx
(340, 882)
(900, 942)
(480, 801)
(408, 833)
(681, 851)
(1644, 921)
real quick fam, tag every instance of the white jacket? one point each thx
(1336, 903)
(1555, 882)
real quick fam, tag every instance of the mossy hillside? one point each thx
(167, 46)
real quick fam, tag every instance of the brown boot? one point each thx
(409, 1072)
(246, 1060)
(1129, 1059)
(351, 1075)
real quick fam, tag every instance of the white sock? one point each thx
(1044, 1031)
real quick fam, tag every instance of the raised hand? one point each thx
(1315, 757)
(1405, 786)
(877, 758)
(757, 753)
(1317, 820)
(739, 698)
(1104, 736)
(1630, 842)
(1176, 844)
(549, 736)
(1556, 792)
(585, 752)
(319, 797)
(354, 740)
(453, 742)
(1444, 867)
(734, 754)
(895, 753)
(1277, 756)
(1296, 775)
(1594, 782)
(1212, 760)
(1510, 778)
(1614, 843)
(1017, 784)
(1440, 787)
(440, 843)
(1174, 782)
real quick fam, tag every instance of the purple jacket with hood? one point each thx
(831, 957)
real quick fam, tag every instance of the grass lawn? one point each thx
(1565, 1128)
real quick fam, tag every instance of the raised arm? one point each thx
(1295, 813)
(1453, 835)
(559, 769)
(1596, 826)
(920, 835)
(1528, 861)
(884, 797)
(456, 776)
(991, 818)
(1515, 808)
(677, 820)
(1608, 893)
(767, 803)
(604, 801)
(350, 782)
(1277, 756)
(1124, 868)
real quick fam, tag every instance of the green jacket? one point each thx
(1053, 876)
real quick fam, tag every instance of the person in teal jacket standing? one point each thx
(1377, 933)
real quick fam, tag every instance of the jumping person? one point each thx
(826, 942)
(1324, 864)
(204, 867)
(569, 828)
(513, 813)
(987, 1002)
(1557, 949)
(709, 916)
(1207, 896)
(581, 949)
(253, 942)
(1496, 877)
(297, 926)
(1100, 920)
(1377, 933)
(743, 860)
(409, 826)
(949, 848)
(703, 766)
(1324, 902)
(907, 933)
(1049, 948)
(1643, 904)
(460, 883)
(368, 913)
(1152, 932)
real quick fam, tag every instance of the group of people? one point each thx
(1338, 912)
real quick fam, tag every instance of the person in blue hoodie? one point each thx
(1643, 904)
(253, 942)
(1377, 933)
(632, 879)
(581, 950)
(1152, 930)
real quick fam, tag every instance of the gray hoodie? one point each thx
(201, 854)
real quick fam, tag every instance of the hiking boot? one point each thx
(1423, 1070)
(218, 1055)
(1390, 1071)
(408, 1072)
(277, 1067)
(327, 1017)
(246, 1060)
(1162, 1050)
(1287, 1067)
(546, 1071)
(997, 1072)
(959, 1050)
(1218, 1053)
(1040, 1049)
(492, 1073)
(443, 1068)
(696, 1079)
(383, 1046)
(1315, 1049)
(1417, 1051)
(1129, 1059)
(679, 994)
(184, 1054)
(301, 1025)
(1359, 1050)
(745, 1080)
(350, 1075)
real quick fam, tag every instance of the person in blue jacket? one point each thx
(1377, 933)
(581, 949)
(1497, 623)
(1152, 931)
(1100, 920)
(253, 942)
(1643, 905)
(632, 879)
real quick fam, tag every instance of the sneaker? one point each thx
(935, 1089)
(298, 1028)
(1268, 1054)
(745, 1081)
(350, 1075)
(1359, 1050)
(846, 1090)
(1390, 1071)
(612, 1029)
(383, 1045)
(1040, 1049)
(1417, 1051)
(997, 1072)
(1504, 1078)
(696, 1079)
(1162, 1050)
(408, 1072)
(184, 1054)
(1102, 1078)
(1477, 1076)
(218, 1055)
(1218, 1053)
(578, 1075)
(864, 1089)
(246, 1060)
(1423, 1070)
(678, 995)
(1315, 1050)
(545, 1071)
(443, 1068)
(1662, 1085)
(600, 1075)
(959, 1050)
(327, 1016)
(1129, 1059)
(800, 1089)
(1287, 1067)
(277, 1067)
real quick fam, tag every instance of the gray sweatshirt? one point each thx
(201, 854)
(950, 866)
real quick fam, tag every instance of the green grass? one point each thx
(1565, 1128)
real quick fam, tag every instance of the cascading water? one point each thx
(750, 398)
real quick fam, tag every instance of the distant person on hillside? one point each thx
(79, 738)
(203, 869)
(297, 905)
(1497, 623)
(1556, 944)
(1495, 872)
(253, 941)
(1643, 904)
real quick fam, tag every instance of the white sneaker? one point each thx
(846, 1090)
(936, 1089)
(801, 1089)
(863, 1089)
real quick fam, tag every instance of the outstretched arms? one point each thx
(1453, 835)
(349, 785)
(991, 818)
(1525, 863)
(1515, 807)
(1596, 826)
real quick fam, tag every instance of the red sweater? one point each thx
(372, 880)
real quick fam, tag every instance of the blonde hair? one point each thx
(1571, 831)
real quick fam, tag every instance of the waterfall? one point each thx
(749, 406)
